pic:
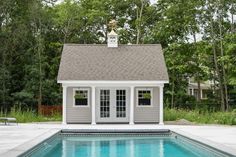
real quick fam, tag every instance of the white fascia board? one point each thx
(112, 83)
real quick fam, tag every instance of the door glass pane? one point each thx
(120, 103)
(104, 103)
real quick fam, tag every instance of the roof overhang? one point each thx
(112, 83)
(202, 86)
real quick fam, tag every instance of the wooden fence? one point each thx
(47, 110)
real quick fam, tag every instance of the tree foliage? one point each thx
(32, 34)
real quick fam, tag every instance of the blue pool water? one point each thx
(126, 146)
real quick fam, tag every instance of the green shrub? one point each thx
(30, 115)
(198, 116)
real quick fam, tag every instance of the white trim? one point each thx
(107, 82)
(93, 105)
(161, 105)
(144, 89)
(88, 96)
(131, 110)
(64, 97)
(203, 98)
(192, 92)
(201, 94)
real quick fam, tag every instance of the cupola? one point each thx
(112, 37)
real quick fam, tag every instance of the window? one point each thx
(112, 39)
(81, 97)
(190, 91)
(205, 94)
(120, 103)
(144, 97)
(195, 93)
(104, 103)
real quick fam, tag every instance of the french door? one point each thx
(112, 105)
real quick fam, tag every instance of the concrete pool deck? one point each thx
(16, 138)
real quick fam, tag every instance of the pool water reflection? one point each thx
(130, 146)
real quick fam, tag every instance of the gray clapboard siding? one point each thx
(77, 114)
(141, 114)
(147, 114)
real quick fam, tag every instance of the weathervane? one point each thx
(112, 24)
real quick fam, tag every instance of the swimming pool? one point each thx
(136, 144)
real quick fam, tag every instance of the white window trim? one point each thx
(141, 89)
(202, 95)
(86, 89)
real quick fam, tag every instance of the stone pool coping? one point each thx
(217, 146)
(19, 150)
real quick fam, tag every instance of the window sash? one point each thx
(104, 103)
(120, 103)
(142, 101)
(83, 101)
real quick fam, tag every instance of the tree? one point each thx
(32, 34)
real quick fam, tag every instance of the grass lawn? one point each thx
(30, 115)
(200, 117)
(228, 118)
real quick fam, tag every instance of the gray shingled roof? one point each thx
(98, 62)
